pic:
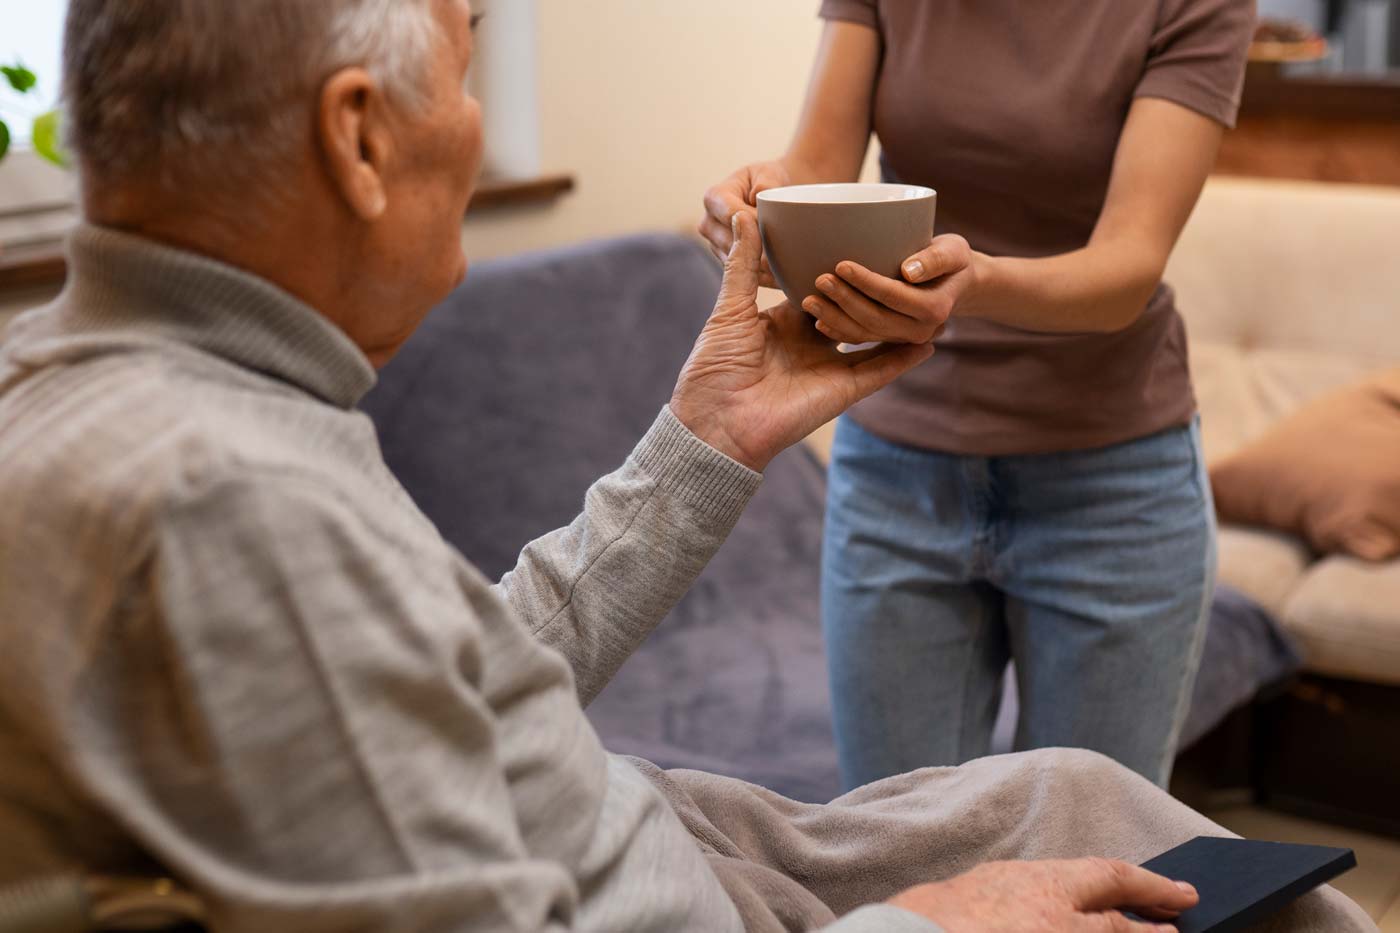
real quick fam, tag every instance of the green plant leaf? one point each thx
(20, 77)
(47, 140)
(4, 139)
(46, 137)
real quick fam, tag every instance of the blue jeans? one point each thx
(1091, 569)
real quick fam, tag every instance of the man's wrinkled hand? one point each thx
(1075, 896)
(757, 382)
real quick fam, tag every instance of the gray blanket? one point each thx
(791, 866)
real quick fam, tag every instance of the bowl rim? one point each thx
(913, 193)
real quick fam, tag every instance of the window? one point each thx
(35, 38)
(36, 198)
(503, 80)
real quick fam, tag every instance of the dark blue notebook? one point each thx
(1242, 881)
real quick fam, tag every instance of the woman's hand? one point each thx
(739, 192)
(859, 306)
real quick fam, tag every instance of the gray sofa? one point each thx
(539, 375)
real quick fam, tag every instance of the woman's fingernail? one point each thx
(1185, 888)
(914, 270)
(734, 224)
(826, 285)
(810, 306)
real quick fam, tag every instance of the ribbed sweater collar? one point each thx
(125, 285)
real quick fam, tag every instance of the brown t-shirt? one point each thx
(1012, 110)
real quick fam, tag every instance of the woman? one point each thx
(1034, 491)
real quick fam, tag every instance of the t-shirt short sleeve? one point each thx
(1197, 55)
(863, 12)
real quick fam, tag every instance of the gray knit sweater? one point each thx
(233, 650)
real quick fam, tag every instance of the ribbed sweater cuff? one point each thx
(695, 472)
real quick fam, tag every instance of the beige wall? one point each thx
(648, 102)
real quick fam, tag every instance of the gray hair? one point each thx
(223, 88)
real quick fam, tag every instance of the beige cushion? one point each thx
(1245, 392)
(1346, 614)
(1329, 472)
(1266, 566)
(1288, 291)
(1270, 265)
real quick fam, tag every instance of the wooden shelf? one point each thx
(506, 192)
(26, 267)
(1339, 98)
(1315, 128)
(1309, 50)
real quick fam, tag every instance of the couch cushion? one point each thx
(1243, 391)
(1266, 566)
(1287, 289)
(1346, 615)
(1330, 472)
(1273, 265)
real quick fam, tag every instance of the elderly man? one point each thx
(235, 653)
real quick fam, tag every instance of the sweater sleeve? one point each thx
(594, 590)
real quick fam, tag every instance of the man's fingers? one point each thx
(877, 367)
(747, 251)
(1104, 884)
(743, 265)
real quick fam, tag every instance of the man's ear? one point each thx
(355, 140)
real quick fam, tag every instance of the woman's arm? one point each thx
(832, 134)
(1164, 155)
(1163, 158)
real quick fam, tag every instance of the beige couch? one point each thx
(1290, 290)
